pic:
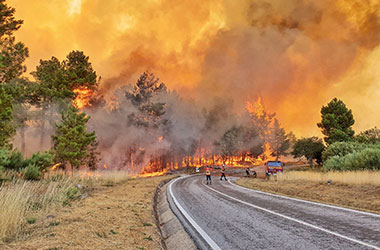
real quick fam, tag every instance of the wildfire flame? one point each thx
(55, 166)
(153, 174)
(83, 97)
(256, 108)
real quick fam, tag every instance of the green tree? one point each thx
(337, 121)
(311, 148)
(52, 85)
(7, 127)
(57, 81)
(71, 140)
(278, 139)
(80, 73)
(369, 136)
(12, 53)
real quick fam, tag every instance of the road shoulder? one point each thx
(364, 198)
(172, 232)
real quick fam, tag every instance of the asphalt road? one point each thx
(226, 216)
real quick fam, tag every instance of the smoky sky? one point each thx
(297, 54)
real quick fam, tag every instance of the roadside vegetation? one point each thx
(23, 201)
(344, 167)
(120, 217)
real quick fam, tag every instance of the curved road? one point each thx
(226, 216)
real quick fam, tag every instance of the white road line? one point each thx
(204, 235)
(296, 220)
(305, 201)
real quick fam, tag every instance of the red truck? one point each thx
(274, 166)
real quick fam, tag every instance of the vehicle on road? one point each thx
(274, 167)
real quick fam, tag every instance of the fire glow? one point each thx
(83, 97)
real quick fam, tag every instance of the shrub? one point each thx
(41, 160)
(4, 157)
(32, 173)
(31, 220)
(341, 149)
(71, 193)
(16, 161)
(368, 158)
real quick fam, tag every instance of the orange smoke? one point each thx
(296, 54)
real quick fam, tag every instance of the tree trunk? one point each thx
(42, 138)
(311, 162)
(22, 134)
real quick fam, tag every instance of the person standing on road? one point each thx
(247, 172)
(223, 171)
(208, 174)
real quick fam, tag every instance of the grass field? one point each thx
(358, 190)
(342, 177)
(115, 213)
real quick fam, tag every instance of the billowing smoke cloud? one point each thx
(296, 54)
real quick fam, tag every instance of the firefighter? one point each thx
(247, 172)
(208, 174)
(223, 171)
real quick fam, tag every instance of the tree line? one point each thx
(46, 100)
(342, 149)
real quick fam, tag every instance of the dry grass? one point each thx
(348, 177)
(118, 217)
(22, 201)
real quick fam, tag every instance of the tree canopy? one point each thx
(142, 97)
(369, 136)
(337, 121)
(12, 53)
(7, 127)
(72, 143)
(311, 148)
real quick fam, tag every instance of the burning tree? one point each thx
(61, 82)
(148, 115)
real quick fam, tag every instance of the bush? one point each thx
(41, 160)
(340, 149)
(16, 161)
(4, 157)
(32, 173)
(368, 158)
(71, 193)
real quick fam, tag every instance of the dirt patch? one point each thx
(362, 197)
(118, 217)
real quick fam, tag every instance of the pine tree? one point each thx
(72, 143)
(80, 73)
(337, 121)
(7, 128)
(12, 53)
(146, 88)
(279, 140)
